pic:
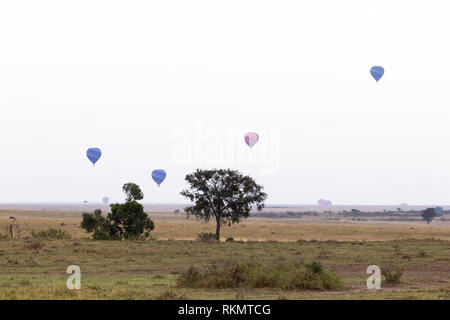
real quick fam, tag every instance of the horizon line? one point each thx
(185, 203)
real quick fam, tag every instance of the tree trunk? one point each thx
(218, 228)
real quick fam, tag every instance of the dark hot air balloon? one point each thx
(93, 154)
(377, 72)
(158, 176)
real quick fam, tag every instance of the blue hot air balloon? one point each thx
(158, 175)
(94, 154)
(377, 72)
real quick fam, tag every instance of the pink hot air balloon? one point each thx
(323, 202)
(251, 138)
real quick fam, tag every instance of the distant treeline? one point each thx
(386, 213)
(287, 214)
(354, 213)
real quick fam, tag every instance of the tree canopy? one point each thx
(225, 195)
(133, 192)
(429, 214)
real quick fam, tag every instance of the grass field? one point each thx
(35, 269)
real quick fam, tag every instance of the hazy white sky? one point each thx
(176, 84)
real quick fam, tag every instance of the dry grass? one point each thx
(255, 229)
(149, 270)
(263, 231)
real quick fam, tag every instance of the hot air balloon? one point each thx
(158, 176)
(94, 154)
(323, 202)
(251, 138)
(377, 72)
(105, 200)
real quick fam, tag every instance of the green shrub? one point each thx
(51, 234)
(392, 276)
(229, 239)
(101, 235)
(286, 276)
(207, 237)
(126, 221)
(314, 266)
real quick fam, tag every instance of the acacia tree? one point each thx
(224, 195)
(428, 214)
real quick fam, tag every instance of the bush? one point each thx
(314, 266)
(285, 276)
(125, 221)
(35, 245)
(229, 239)
(101, 235)
(170, 295)
(391, 276)
(207, 237)
(51, 234)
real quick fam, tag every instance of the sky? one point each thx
(175, 85)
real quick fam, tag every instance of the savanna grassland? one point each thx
(33, 267)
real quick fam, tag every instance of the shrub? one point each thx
(207, 237)
(314, 266)
(125, 221)
(170, 295)
(190, 278)
(392, 276)
(229, 239)
(286, 276)
(50, 234)
(101, 235)
(35, 245)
